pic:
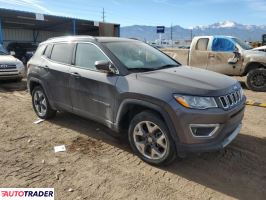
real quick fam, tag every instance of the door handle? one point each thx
(76, 74)
(211, 55)
(45, 67)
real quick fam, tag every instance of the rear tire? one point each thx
(150, 139)
(41, 104)
(256, 80)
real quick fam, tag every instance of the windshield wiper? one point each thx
(152, 69)
(141, 69)
(167, 66)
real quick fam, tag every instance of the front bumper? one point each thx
(12, 74)
(229, 127)
(213, 146)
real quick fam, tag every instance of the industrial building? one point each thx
(21, 26)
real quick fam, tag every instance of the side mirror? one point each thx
(12, 53)
(105, 66)
(235, 59)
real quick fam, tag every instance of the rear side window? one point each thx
(40, 50)
(223, 45)
(62, 53)
(87, 55)
(48, 50)
(202, 44)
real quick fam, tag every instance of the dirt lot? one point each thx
(97, 165)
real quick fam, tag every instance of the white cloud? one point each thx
(36, 4)
(257, 5)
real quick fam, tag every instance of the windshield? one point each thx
(138, 55)
(242, 44)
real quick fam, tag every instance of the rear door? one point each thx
(93, 93)
(222, 49)
(58, 66)
(198, 56)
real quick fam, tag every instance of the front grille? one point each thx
(4, 67)
(231, 99)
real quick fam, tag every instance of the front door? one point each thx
(92, 92)
(223, 50)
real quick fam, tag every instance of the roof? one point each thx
(87, 38)
(27, 20)
(214, 36)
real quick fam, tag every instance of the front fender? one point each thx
(165, 113)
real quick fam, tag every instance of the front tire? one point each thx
(256, 80)
(41, 104)
(150, 139)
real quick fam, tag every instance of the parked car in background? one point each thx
(166, 109)
(226, 55)
(10, 67)
(264, 39)
(262, 48)
(23, 50)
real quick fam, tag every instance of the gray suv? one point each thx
(166, 109)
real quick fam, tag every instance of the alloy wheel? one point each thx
(40, 103)
(150, 140)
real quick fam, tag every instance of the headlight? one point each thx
(196, 102)
(241, 93)
(19, 64)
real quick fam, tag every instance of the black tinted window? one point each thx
(87, 55)
(62, 53)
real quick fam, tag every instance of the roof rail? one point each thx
(74, 36)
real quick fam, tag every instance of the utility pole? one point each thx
(172, 34)
(171, 31)
(103, 15)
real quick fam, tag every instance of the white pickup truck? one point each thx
(226, 55)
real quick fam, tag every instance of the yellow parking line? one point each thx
(254, 103)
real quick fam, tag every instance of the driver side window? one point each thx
(87, 54)
(223, 45)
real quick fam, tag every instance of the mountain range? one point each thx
(244, 32)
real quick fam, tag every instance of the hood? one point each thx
(8, 59)
(190, 80)
(254, 52)
(254, 56)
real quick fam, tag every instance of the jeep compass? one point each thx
(166, 109)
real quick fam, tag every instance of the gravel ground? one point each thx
(97, 165)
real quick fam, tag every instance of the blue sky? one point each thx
(186, 13)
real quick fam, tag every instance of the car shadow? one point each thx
(239, 171)
(11, 85)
